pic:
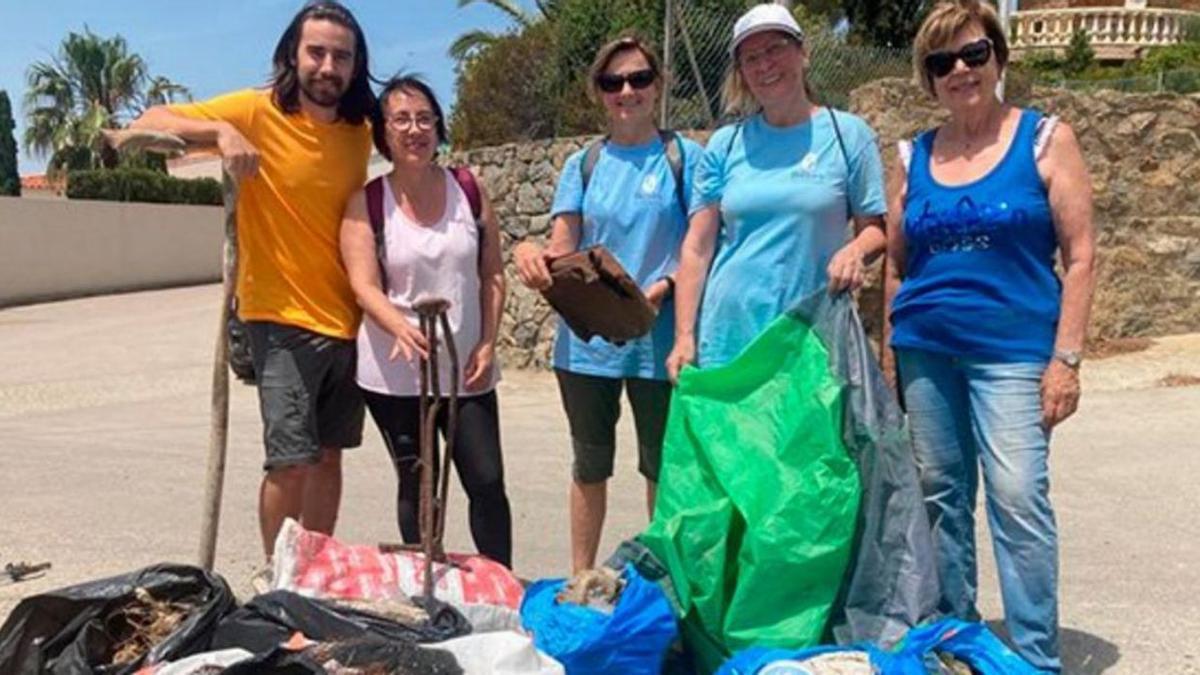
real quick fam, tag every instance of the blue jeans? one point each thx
(964, 413)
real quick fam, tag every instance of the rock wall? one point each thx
(1143, 151)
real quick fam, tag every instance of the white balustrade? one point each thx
(1116, 33)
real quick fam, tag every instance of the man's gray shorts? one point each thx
(306, 391)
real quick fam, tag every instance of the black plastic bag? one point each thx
(272, 618)
(79, 629)
(369, 654)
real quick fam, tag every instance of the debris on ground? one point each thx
(142, 624)
(595, 588)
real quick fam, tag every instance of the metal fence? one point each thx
(1184, 81)
(695, 44)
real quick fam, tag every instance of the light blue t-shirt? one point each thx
(632, 209)
(786, 194)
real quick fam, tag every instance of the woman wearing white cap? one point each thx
(779, 188)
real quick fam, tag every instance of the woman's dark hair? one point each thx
(409, 83)
(357, 103)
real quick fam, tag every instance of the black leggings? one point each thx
(476, 459)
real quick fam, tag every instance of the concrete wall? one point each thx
(52, 249)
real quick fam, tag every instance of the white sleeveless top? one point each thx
(439, 260)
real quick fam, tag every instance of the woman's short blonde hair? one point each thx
(628, 41)
(736, 97)
(944, 22)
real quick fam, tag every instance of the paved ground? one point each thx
(103, 434)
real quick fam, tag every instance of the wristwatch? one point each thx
(1070, 358)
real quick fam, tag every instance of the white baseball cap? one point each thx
(765, 17)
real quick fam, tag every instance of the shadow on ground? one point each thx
(1082, 653)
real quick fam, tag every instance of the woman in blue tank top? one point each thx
(987, 339)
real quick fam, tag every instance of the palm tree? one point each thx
(474, 40)
(162, 90)
(92, 83)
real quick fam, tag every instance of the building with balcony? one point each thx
(1120, 30)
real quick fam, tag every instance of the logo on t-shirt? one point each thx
(650, 185)
(808, 163)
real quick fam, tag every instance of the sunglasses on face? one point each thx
(975, 54)
(611, 83)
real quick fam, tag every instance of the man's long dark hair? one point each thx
(358, 103)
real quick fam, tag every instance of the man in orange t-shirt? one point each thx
(299, 150)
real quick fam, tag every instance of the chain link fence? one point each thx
(695, 43)
(1184, 81)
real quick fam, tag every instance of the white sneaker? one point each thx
(262, 580)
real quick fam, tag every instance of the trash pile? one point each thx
(788, 538)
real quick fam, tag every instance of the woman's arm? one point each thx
(1070, 189)
(530, 259)
(893, 264)
(847, 268)
(491, 299)
(695, 257)
(357, 242)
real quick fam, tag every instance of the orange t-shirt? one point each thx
(289, 267)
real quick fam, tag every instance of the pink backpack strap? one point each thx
(374, 192)
(470, 187)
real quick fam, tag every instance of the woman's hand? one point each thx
(478, 373)
(409, 343)
(846, 270)
(1060, 393)
(682, 354)
(656, 293)
(531, 266)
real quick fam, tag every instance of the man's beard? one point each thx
(325, 91)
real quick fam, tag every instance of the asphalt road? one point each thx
(104, 408)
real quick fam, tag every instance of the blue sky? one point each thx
(213, 46)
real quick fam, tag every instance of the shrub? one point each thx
(142, 185)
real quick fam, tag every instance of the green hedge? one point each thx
(142, 185)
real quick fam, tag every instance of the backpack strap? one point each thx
(470, 187)
(374, 192)
(837, 131)
(590, 158)
(673, 149)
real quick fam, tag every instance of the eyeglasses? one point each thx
(611, 83)
(423, 122)
(771, 52)
(974, 55)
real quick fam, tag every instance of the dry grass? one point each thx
(144, 623)
(1104, 349)
(1180, 380)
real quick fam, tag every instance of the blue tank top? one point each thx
(979, 264)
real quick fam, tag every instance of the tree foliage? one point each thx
(10, 178)
(885, 23)
(92, 83)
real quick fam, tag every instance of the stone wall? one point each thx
(1143, 152)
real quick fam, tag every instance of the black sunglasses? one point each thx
(638, 79)
(975, 54)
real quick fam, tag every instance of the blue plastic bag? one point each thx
(971, 643)
(632, 640)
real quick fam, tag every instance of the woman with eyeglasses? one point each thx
(777, 190)
(628, 192)
(986, 336)
(439, 239)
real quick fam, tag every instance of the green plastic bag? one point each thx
(759, 440)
